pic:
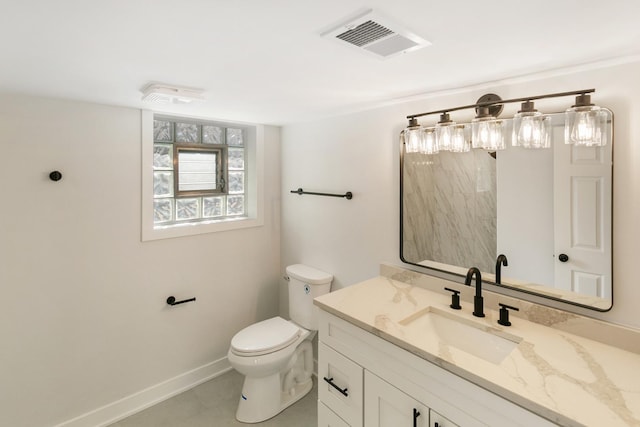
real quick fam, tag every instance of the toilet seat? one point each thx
(265, 337)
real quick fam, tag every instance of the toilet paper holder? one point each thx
(172, 300)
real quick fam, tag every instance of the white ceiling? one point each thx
(264, 60)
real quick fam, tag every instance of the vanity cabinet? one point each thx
(366, 381)
(328, 418)
(386, 405)
(437, 420)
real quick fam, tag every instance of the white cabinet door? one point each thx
(437, 420)
(387, 406)
(328, 418)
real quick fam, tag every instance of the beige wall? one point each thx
(84, 320)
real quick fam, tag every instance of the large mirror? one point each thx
(548, 210)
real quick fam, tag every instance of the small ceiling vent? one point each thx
(373, 33)
(161, 93)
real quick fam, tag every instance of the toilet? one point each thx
(276, 355)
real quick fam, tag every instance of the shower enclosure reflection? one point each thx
(463, 209)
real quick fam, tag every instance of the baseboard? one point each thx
(116, 411)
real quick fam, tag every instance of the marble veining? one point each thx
(382, 322)
(570, 379)
(402, 292)
(617, 336)
(603, 387)
(455, 194)
(544, 316)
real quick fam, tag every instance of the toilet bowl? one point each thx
(278, 346)
(276, 355)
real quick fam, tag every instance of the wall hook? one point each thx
(55, 176)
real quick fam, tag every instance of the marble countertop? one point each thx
(566, 378)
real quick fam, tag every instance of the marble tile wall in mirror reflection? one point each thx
(455, 196)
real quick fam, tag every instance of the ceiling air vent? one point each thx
(161, 93)
(371, 32)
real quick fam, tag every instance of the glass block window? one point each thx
(162, 131)
(212, 134)
(199, 171)
(187, 132)
(162, 157)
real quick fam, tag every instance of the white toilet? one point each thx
(275, 355)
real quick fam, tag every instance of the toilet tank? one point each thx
(306, 283)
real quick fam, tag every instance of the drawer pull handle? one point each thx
(341, 390)
(416, 414)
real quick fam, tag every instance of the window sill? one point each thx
(158, 232)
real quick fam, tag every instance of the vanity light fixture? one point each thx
(459, 141)
(419, 140)
(486, 131)
(531, 128)
(444, 132)
(585, 124)
(429, 145)
(412, 136)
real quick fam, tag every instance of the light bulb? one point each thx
(412, 139)
(531, 129)
(488, 133)
(585, 124)
(444, 132)
(584, 129)
(429, 145)
(459, 143)
(444, 137)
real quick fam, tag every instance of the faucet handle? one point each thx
(455, 299)
(504, 314)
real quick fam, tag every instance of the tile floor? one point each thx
(213, 404)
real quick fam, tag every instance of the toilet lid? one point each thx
(265, 337)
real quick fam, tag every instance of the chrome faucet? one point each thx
(502, 260)
(478, 303)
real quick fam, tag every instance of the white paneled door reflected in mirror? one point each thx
(548, 210)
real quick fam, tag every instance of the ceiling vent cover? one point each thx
(365, 33)
(161, 93)
(373, 33)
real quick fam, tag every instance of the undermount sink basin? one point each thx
(480, 340)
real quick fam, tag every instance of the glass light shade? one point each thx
(531, 129)
(428, 142)
(585, 125)
(412, 139)
(488, 133)
(459, 142)
(444, 135)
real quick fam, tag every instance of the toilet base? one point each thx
(267, 404)
(265, 396)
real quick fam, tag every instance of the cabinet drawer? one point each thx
(328, 418)
(437, 420)
(340, 383)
